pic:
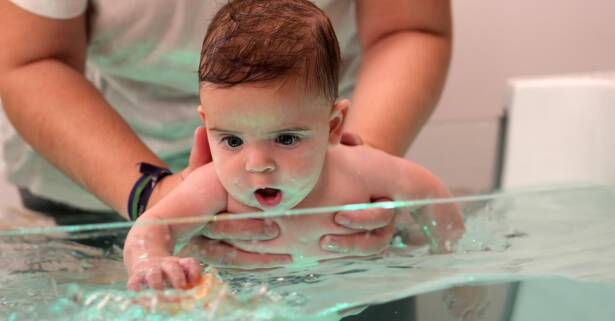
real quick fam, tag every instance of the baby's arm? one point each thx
(401, 180)
(149, 245)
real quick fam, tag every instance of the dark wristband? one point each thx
(143, 187)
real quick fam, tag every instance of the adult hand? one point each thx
(351, 139)
(199, 156)
(221, 254)
(375, 227)
(200, 153)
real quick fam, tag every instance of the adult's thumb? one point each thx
(200, 153)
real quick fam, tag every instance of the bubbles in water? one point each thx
(294, 299)
(484, 231)
(311, 278)
(398, 243)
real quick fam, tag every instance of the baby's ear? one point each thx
(336, 120)
(201, 113)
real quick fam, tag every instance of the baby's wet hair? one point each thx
(252, 41)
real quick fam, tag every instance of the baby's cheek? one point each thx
(301, 178)
(306, 163)
(302, 171)
(228, 171)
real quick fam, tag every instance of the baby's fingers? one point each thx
(174, 274)
(192, 269)
(153, 278)
(135, 282)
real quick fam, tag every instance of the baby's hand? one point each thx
(157, 272)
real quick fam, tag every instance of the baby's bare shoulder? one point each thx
(200, 193)
(205, 179)
(362, 157)
(364, 161)
(203, 173)
(379, 172)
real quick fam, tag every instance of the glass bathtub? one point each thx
(535, 254)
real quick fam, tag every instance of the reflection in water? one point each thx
(561, 233)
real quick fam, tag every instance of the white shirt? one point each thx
(143, 56)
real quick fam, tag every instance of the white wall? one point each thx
(496, 40)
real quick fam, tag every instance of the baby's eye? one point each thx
(232, 141)
(287, 139)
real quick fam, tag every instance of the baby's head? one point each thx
(268, 84)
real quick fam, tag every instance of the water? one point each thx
(559, 236)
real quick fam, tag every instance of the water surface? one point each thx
(562, 235)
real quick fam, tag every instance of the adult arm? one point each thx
(59, 112)
(406, 47)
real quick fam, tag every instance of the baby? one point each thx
(268, 87)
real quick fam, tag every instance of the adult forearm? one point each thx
(68, 122)
(399, 84)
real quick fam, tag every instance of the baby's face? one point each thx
(268, 143)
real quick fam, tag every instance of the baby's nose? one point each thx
(259, 162)
(260, 169)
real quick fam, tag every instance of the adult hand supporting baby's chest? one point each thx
(254, 243)
(268, 243)
(316, 237)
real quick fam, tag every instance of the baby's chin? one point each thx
(283, 206)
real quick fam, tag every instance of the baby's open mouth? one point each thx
(268, 197)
